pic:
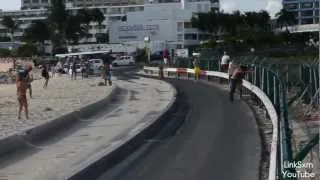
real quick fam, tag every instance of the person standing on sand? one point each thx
(22, 85)
(29, 80)
(46, 76)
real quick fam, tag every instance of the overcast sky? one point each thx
(272, 6)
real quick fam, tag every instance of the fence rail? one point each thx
(272, 79)
(273, 115)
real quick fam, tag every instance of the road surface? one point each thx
(219, 140)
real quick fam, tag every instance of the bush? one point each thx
(5, 53)
(26, 50)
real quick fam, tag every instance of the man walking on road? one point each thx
(230, 70)
(196, 68)
(236, 81)
(225, 62)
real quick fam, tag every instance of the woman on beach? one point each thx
(22, 85)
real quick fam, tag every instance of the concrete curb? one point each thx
(17, 142)
(125, 146)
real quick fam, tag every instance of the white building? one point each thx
(166, 24)
(25, 17)
(38, 4)
(170, 17)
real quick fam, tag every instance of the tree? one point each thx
(10, 25)
(38, 32)
(237, 29)
(75, 31)
(85, 18)
(26, 50)
(97, 16)
(58, 19)
(286, 18)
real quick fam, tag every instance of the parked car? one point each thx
(66, 68)
(78, 68)
(124, 61)
(96, 65)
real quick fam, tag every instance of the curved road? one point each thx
(219, 140)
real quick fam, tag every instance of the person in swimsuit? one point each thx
(22, 85)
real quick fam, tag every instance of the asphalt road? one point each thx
(219, 140)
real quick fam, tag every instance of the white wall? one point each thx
(161, 30)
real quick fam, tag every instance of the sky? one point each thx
(272, 6)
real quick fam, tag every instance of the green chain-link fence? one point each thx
(283, 81)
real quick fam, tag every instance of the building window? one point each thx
(115, 11)
(291, 6)
(203, 37)
(190, 36)
(307, 5)
(180, 37)
(26, 2)
(180, 26)
(307, 13)
(187, 25)
(124, 10)
(307, 21)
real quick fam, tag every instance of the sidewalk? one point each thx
(140, 103)
(62, 96)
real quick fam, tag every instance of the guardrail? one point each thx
(271, 110)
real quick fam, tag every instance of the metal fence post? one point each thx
(285, 130)
(274, 91)
(268, 83)
(262, 79)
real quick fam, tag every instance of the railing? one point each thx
(269, 88)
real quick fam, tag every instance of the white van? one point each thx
(124, 61)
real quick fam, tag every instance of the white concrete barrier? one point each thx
(255, 90)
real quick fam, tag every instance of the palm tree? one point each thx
(286, 18)
(10, 25)
(38, 32)
(75, 31)
(85, 18)
(58, 19)
(97, 16)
